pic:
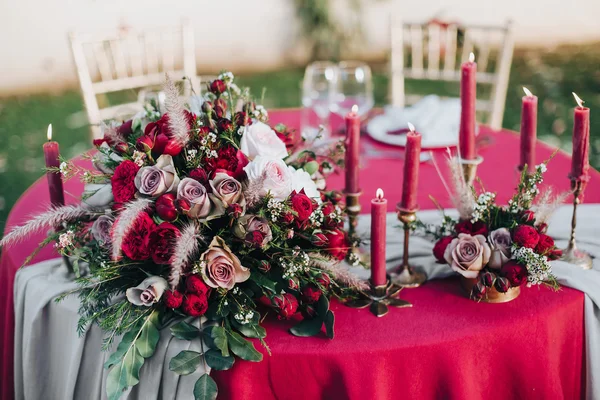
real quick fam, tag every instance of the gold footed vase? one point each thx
(492, 295)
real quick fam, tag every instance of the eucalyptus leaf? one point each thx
(205, 388)
(148, 339)
(322, 306)
(218, 361)
(185, 331)
(307, 327)
(122, 348)
(262, 280)
(251, 330)
(124, 374)
(329, 323)
(242, 347)
(185, 362)
(219, 336)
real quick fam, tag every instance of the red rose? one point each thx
(122, 181)
(338, 244)
(311, 294)
(542, 228)
(528, 216)
(235, 211)
(173, 299)
(165, 207)
(122, 148)
(287, 218)
(288, 136)
(477, 228)
(241, 119)
(200, 175)
(162, 242)
(195, 284)
(293, 283)
(136, 245)
(195, 305)
(158, 136)
(526, 236)
(255, 238)
(126, 128)
(514, 272)
(324, 280)
(302, 205)
(223, 125)
(319, 239)
(545, 244)
(286, 305)
(440, 248)
(228, 160)
(329, 211)
(217, 86)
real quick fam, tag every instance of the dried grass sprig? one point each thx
(52, 218)
(252, 192)
(177, 117)
(547, 204)
(125, 222)
(339, 272)
(185, 247)
(462, 198)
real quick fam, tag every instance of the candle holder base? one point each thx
(572, 254)
(379, 298)
(353, 210)
(409, 277)
(577, 257)
(469, 168)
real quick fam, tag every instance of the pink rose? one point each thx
(500, 243)
(227, 189)
(148, 292)
(247, 225)
(201, 204)
(220, 267)
(468, 254)
(157, 179)
(101, 230)
(271, 175)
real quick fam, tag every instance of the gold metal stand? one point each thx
(379, 298)
(407, 276)
(470, 168)
(571, 254)
(352, 209)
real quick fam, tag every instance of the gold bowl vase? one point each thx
(492, 295)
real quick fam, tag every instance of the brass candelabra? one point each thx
(379, 298)
(407, 275)
(572, 254)
(469, 168)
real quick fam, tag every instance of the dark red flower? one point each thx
(241, 119)
(302, 205)
(217, 86)
(207, 107)
(528, 216)
(293, 283)
(338, 244)
(479, 290)
(543, 227)
(329, 212)
(165, 207)
(126, 128)
(288, 136)
(526, 236)
(545, 244)
(200, 175)
(287, 218)
(319, 239)
(195, 305)
(158, 136)
(514, 272)
(324, 280)
(487, 278)
(264, 266)
(121, 148)
(228, 160)
(220, 108)
(286, 305)
(477, 228)
(162, 242)
(136, 244)
(122, 181)
(440, 248)
(311, 294)
(173, 299)
(554, 254)
(224, 125)
(255, 238)
(234, 211)
(195, 284)
(502, 284)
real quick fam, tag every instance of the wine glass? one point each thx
(317, 92)
(353, 86)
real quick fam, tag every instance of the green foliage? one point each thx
(185, 362)
(184, 331)
(205, 388)
(312, 326)
(243, 348)
(216, 360)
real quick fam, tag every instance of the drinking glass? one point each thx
(317, 92)
(353, 85)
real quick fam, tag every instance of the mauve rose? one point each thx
(148, 292)
(500, 243)
(157, 179)
(101, 229)
(260, 140)
(251, 223)
(273, 176)
(468, 254)
(201, 204)
(227, 189)
(220, 267)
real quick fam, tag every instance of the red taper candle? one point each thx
(52, 156)
(528, 131)
(581, 142)
(411, 170)
(352, 150)
(468, 97)
(378, 237)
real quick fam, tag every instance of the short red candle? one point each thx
(378, 238)
(581, 142)
(528, 131)
(411, 171)
(52, 156)
(352, 150)
(468, 97)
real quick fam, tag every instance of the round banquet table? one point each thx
(445, 346)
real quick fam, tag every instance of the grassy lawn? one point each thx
(551, 75)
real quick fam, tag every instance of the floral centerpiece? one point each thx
(202, 212)
(496, 249)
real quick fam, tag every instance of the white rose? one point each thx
(260, 140)
(302, 180)
(272, 174)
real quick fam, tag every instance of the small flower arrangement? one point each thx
(203, 212)
(498, 248)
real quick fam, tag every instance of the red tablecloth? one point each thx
(444, 347)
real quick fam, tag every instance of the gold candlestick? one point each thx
(379, 298)
(352, 209)
(407, 276)
(470, 168)
(571, 254)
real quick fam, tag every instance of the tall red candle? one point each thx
(378, 237)
(411, 170)
(528, 131)
(581, 141)
(52, 155)
(352, 150)
(468, 97)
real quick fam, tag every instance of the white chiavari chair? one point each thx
(435, 51)
(131, 60)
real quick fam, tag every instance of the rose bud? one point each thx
(324, 280)
(308, 312)
(200, 175)
(219, 112)
(319, 240)
(290, 234)
(487, 278)
(293, 283)
(241, 118)
(502, 284)
(221, 103)
(286, 305)
(122, 148)
(528, 216)
(264, 266)
(311, 294)
(203, 131)
(478, 291)
(336, 196)
(217, 86)
(555, 254)
(249, 107)
(165, 207)
(126, 128)
(224, 125)
(207, 107)
(287, 218)
(255, 238)
(235, 211)
(145, 143)
(173, 299)
(183, 205)
(543, 227)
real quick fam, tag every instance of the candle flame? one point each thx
(578, 100)
(49, 133)
(411, 127)
(355, 109)
(471, 57)
(527, 92)
(379, 194)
